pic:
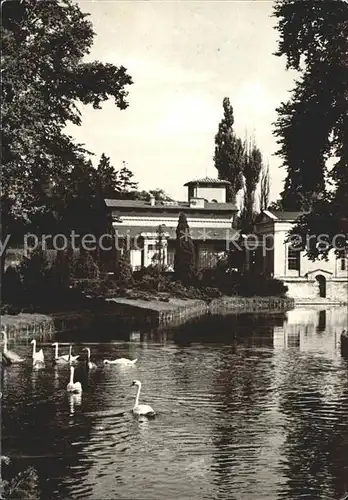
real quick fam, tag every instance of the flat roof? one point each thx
(169, 206)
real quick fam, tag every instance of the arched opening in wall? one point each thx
(322, 285)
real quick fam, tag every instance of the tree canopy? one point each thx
(312, 126)
(44, 79)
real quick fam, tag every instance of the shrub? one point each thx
(86, 267)
(124, 271)
(25, 484)
(251, 284)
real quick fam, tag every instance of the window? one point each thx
(294, 259)
(343, 263)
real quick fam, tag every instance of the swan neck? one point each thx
(34, 347)
(137, 396)
(72, 375)
(88, 354)
(56, 351)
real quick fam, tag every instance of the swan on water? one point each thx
(73, 387)
(120, 361)
(66, 358)
(90, 364)
(59, 359)
(141, 410)
(9, 356)
(38, 356)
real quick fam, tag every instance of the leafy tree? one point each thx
(251, 172)
(313, 125)
(184, 260)
(44, 78)
(264, 188)
(229, 153)
(276, 205)
(159, 195)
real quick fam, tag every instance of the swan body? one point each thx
(9, 356)
(90, 364)
(73, 387)
(66, 358)
(121, 361)
(38, 356)
(141, 410)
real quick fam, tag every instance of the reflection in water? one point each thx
(322, 321)
(74, 400)
(248, 406)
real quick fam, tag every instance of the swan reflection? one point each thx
(55, 377)
(74, 400)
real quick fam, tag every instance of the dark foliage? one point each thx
(124, 272)
(44, 78)
(313, 125)
(184, 261)
(229, 153)
(86, 266)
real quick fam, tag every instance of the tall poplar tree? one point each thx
(265, 188)
(229, 153)
(251, 172)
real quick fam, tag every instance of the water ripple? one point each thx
(235, 420)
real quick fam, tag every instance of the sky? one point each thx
(184, 58)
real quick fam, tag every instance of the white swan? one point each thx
(59, 359)
(66, 358)
(89, 362)
(38, 357)
(10, 356)
(141, 410)
(120, 361)
(74, 387)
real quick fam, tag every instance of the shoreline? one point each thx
(136, 313)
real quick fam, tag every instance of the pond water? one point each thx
(247, 407)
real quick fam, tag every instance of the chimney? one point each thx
(152, 201)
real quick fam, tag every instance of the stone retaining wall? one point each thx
(136, 314)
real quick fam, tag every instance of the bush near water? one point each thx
(70, 281)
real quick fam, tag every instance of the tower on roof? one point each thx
(208, 189)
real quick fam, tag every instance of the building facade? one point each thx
(148, 229)
(304, 278)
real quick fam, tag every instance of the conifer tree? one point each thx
(184, 260)
(107, 178)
